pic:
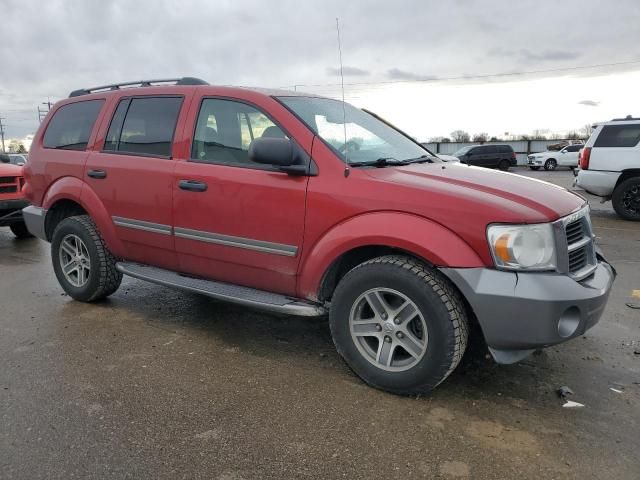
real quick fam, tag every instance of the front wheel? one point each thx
(400, 325)
(20, 230)
(85, 268)
(626, 199)
(550, 164)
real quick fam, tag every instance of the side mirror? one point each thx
(272, 151)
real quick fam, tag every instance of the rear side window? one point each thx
(71, 125)
(618, 136)
(144, 126)
(574, 148)
(504, 149)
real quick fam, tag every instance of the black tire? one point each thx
(626, 199)
(534, 168)
(103, 278)
(20, 230)
(550, 164)
(439, 303)
(504, 165)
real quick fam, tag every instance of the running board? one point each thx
(250, 297)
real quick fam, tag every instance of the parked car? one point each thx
(555, 147)
(491, 156)
(441, 156)
(550, 160)
(12, 199)
(258, 197)
(18, 158)
(610, 165)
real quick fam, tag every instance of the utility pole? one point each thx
(2, 134)
(42, 112)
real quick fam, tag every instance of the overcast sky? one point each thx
(48, 48)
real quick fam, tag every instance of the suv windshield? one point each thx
(462, 151)
(368, 140)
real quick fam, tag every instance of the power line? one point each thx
(470, 77)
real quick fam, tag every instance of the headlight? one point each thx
(523, 247)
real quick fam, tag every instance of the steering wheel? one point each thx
(349, 146)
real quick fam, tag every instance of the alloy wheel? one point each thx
(74, 260)
(631, 200)
(388, 329)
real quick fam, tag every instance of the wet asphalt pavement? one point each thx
(155, 383)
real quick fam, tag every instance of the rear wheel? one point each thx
(626, 199)
(504, 165)
(534, 168)
(85, 268)
(20, 230)
(550, 164)
(400, 325)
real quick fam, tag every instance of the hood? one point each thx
(491, 195)
(10, 170)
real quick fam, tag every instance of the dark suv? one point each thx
(491, 156)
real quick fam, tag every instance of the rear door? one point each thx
(132, 175)
(234, 220)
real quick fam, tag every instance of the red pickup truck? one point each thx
(304, 205)
(12, 199)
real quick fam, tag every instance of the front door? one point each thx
(234, 220)
(133, 175)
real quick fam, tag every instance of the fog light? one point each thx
(569, 322)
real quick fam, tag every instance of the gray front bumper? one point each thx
(34, 219)
(521, 312)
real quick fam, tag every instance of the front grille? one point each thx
(580, 249)
(10, 184)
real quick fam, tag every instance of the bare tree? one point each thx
(539, 134)
(573, 135)
(460, 136)
(480, 137)
(586, 130)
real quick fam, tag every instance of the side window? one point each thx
(71, 126)
(225, 130)
(618, 136)
(489, 150)
(144, 126)
(504, 149)
(574, 148)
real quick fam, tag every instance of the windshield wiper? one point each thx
(420, 159)
(380, 162)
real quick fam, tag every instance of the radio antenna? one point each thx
(344, 110)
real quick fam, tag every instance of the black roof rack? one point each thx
(139, 83)
(628, 117)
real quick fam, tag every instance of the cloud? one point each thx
(527, 56)
(349, 71)
(397, 74)
(589, 103)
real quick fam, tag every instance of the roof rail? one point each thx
(139, 83)
(628, 117)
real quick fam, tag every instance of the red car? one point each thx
(12, 199)
(299, 204)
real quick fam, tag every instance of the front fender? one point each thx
(74, 189)
(419, 236)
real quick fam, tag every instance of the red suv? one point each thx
(12, 199)
(304, 205)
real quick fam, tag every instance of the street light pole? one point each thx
(2, 134)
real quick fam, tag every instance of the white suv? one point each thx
(550, 160)
(610, 165)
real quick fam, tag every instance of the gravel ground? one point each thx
(155, 383)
